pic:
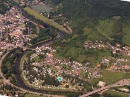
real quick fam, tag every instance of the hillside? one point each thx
(95, 14)
(106, 20)
(93, 8)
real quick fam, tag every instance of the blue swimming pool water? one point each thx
(59, 78)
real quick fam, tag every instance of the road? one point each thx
(6, 81)
(119, 83)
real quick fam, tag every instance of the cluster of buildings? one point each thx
(11, 30)
(113, 63)
(115, 49)
(116, 64)
(11, 20)
(99, 45)
(27, 2)
(55, 68)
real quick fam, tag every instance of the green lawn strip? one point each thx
(87, 31)
(81, 58)
(33, 36)
(58, 56)
(52, 67)
(41, 8)
(112, 77)
(106, 26)
(126, 38)
(21, 62)
(82, 72)
(31, 95)
(43, 18)
(37, 59)
(112, 92)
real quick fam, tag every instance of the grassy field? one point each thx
(22, 60)
(56, 55)
(116, 93)
(44, 19)
(103, 30)
(105, 27)
(111, 77)
(41, 8)
(81, 58)
(31, 95)
(126, 38)
(33, 36)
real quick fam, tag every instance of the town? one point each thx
(11, 30)
(59, 69)
(31, 64)
(114, 62)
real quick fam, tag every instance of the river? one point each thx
(17, 65)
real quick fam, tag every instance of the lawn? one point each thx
(105, 27)
(116, 93)
(41, 8)
(72, 52)
(103, 30)
(22, 60)
(112, 77)
(52, 67)
(43, 18)
(58, 56)
(37, 59)
(33, 35)
(126, 38)
(81, 58)
(31, 95)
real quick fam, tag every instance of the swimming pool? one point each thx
(59, 78)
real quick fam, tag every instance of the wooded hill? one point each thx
(93, 13)
(93, 8)
(91, 20)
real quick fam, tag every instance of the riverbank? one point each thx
(24, 85)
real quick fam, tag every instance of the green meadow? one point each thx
(43, 18)
(41, 8)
